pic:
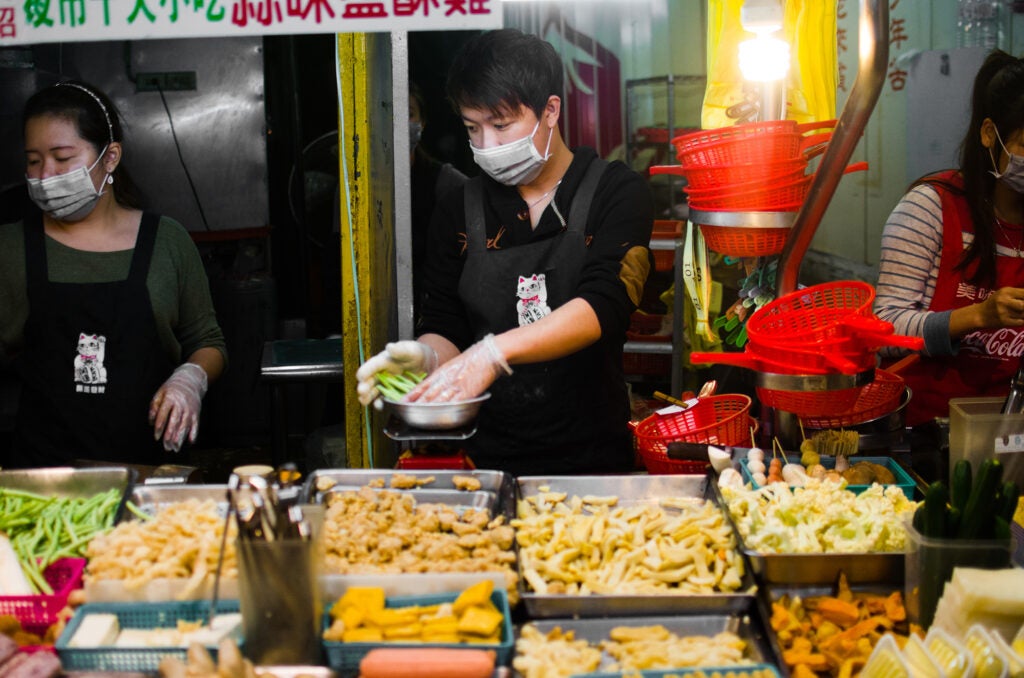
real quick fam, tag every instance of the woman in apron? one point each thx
(533, 271)
(952, 260)
(108, 320)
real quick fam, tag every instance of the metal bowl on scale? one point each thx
(434, 416)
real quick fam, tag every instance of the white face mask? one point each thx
(1013, 175)
(70, 196)
(513, 164)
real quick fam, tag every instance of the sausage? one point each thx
(427, 662)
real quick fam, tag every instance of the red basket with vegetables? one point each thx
(37, 612)
(715, 420)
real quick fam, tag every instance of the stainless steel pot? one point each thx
(435, 416)
(875, 434)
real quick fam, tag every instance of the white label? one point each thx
(1009, 444)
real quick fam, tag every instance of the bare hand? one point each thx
(1003, 308)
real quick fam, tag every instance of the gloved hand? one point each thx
(465, 376)
(174, 410)
(396, 358)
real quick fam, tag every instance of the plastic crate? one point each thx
(345, 657)
(135, 616)
(665, 229)
(37, 612)
(753, 671)
(647, 363)
(645, 327)
(903, 480)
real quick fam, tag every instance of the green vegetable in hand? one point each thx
(396, 386)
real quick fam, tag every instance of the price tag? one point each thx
(1012, 443)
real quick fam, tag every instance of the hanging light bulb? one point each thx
(764, 59)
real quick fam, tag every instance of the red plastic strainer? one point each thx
(813, 313)
(877, 399)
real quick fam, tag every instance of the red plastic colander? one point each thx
(814, 313)
(715, 420)
(877, 399)
(769, 141)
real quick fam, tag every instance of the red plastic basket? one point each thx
(665, 229)
(722, 176)
(657, 461)
(806, 404)
(716, 420)
(38, 612)
(771, 196)
(645, 327)
(877, 399)
(812, 314)
(746, 143)
(740, 241)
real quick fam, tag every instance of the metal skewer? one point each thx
(232, 486)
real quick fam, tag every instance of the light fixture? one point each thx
(764, 59)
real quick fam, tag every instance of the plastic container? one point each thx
(716, 420)
(665, 229)
(978, 430)
(135, 616)
(345, 657)
(749, 671)
(903, 480)
(38, 612)
(929, 564)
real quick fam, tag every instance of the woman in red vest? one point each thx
(952, 259)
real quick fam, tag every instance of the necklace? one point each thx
(1020, 244)
(551, 190)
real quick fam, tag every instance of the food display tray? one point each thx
(810, 569)
(345, 657)
(631, 490)
(754, 671)
(496, 494)
(903, 479)
(747, 623)
(151, 499)
(72, 483)
(137, 616)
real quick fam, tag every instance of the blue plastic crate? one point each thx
(903, 481)
(345, 657)
(134, 616)
(754, 671)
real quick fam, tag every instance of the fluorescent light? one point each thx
(764, 59)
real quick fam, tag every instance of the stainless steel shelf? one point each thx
(648, 347)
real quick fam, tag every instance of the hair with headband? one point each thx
(97, 121)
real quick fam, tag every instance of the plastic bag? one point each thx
(810, 28)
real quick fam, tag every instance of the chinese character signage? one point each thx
(37, 21)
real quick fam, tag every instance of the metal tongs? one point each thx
(264, 511)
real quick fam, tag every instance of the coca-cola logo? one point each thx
(1001, 343)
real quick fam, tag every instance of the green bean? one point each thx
(137, 512)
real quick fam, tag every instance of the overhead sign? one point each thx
(37, 21)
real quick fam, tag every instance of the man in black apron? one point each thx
(533, 272)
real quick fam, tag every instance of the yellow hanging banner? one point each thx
(809, 26)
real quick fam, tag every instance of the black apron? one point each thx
(91, 363)
(560, 416)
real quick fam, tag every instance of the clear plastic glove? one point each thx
(465, 376)
(174, 410)
(396, 358)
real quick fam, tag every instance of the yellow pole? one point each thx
(356, 237)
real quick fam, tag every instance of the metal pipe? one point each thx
(874, 58)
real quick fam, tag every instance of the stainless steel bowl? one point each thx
(433, 416)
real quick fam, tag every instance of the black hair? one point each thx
(503, 69)
(998, 94)
(88, 108)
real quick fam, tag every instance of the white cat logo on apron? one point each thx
(533, 299)
(90, 374)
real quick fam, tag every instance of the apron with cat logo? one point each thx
(559, 416)
(91, 364)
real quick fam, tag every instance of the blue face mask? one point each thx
(70, 196)
(1013, 175)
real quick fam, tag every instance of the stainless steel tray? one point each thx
(747, 623)
(496, 493)
(151, 499)
(67, 482)
(821, 569)
(632, 490)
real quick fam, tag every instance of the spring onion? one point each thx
(396, 386)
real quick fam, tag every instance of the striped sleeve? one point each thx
(908, 269)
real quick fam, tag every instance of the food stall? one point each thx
(737, 561)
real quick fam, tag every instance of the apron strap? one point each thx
(473, 201)
(143, 253)
(35, 258)
(580, 208)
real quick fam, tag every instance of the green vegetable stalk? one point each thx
(396, 386)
